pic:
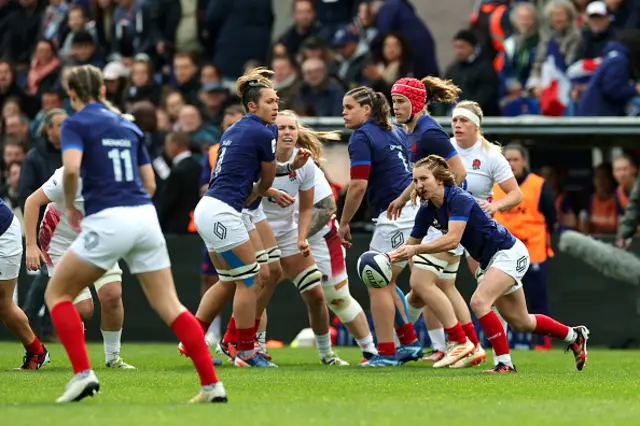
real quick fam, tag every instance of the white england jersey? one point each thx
(321, 190)
(485, 167)
(282, 219)
(56, 235)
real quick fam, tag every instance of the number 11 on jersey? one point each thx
(118, 157)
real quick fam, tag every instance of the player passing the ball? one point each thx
(503, 261)
(120, 222)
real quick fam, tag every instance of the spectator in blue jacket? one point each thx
(319, 96)
(612, 87)
(399, 16)
(305, 25)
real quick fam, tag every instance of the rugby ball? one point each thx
(374, 269)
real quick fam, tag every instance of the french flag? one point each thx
(581, 71)
(554, 83)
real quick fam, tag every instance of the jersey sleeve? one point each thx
(70, 135)
(424, 219)
(500, 170)
(460, 207)
(435, 142)
(143, 154)
(53, 188)
(267, 145)
(360, 156)
(308, 176)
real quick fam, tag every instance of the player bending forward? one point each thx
(56, 236)
(503, 261)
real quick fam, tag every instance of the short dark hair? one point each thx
(13, 141)
(180, 138)
(234, 110)
(82, 37)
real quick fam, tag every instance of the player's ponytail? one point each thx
(309, 138)
(87, 82)
(380, 110)
(249, 85)
(439, 90)
(476, 116)
(439, 167)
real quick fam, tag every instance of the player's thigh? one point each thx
(72, 275)
(149, 249)
(389, 234)
(220, 226)
(10, 260)
(329, 256)
(160, 290)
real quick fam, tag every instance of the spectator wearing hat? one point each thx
(84, 51)
(286, 80)
(214, 98)
(624, 13)
(351, 58)
(304, 26)
(319, 95)
(315, 47)
(115, 76)
(473, 72)
(142, 85)
(597, 34)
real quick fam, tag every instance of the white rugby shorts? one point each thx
(391, 234)
(11, 251)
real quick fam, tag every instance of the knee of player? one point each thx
(110, 296)
(275, 273)
(480, 304)
(85, 309)
(314, 297)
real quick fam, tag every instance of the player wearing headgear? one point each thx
(437, 272)
(503, 260)
(486, 166)
(55, 237)
(380, 168)
(108, 151)
(11, 315)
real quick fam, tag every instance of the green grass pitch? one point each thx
(547, 390)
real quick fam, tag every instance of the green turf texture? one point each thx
(546, 390)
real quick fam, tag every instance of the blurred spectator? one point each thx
(319, 96)
(11, 107)
(624, 13)
(173, 103)
(286, 80)
(202, 134)
(44, 71)
(597, 34)
(209, 74)
(600, 215)
(238, 30)
(559, 28)
(145, 116)
(399, 16)
(10, 189)
(9, 88)
(581, 7)
(351, 57)
(84, 51)
(393, 58)
(520, 49)
(304, 26)
(142, 85)
(375, 79)
(164, 123)
(102, 18)
(334, 14)
(180, 193)
(565, 212)
(115, 80)
(185, 68)
(473, 72)
(231, 115)
(279, 49)
(214, 99)
(50, 99)
(366, 23)
(76, 23)
(132, 30)
(612, 85)
(54, 15)
(178, 24)
(624, 172)
(13, 152)
(18, 127)
(314, 47)
(23, 29)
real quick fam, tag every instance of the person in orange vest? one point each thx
(600, 215)
(531, 222)
(624, 172)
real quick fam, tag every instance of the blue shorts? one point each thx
(207, 267)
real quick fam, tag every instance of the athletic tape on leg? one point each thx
(239, 271)
(262, 257)
(274, 254)
(450, 271)
(308, 279)
(341, 303)
(398, 317)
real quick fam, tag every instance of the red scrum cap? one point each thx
(414, 90)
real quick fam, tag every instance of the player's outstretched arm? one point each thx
(31, 212)
(447, 242)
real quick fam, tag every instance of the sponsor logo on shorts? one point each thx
(397, 239)
(91, 240)
(521, 265)
(220, 230)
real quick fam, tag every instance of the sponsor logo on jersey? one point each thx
(476, 164)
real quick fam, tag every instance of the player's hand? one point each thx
(74, 216)
(395, 208)
(344, 233)
(281, 198)
(304, 248)
(624, 243)
(404, 252)
(302, 156)
(490, 208)
(34, 257)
